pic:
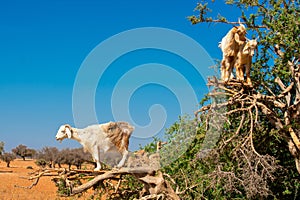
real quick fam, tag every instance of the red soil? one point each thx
(9, 177)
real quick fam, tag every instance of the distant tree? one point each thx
(23, 151)
(49, 154)
(59, 159)
(7, 157)
(67, 157)
(1, 147)
(41, 162)
(31, 153)
(79, 157)
(71, 157)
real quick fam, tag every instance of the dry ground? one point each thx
(45, 189)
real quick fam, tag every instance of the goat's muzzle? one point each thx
(59, 139)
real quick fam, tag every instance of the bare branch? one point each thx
(294, 138)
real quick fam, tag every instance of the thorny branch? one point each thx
(242, 100)
(153, 180)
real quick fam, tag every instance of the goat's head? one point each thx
(241, 30)
(64, 131)
(250, 47)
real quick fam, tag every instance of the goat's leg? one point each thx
(248, 66)
(239, 72)
(223, 69)
(122, 161)
(228, 69)
(96, 157)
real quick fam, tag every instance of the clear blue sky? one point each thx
(43, 43)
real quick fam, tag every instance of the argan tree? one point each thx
(258, 126)
(67, 156)
(49, 154)
(7, 157)
(1, 147)
(23, 151)
(247, 144)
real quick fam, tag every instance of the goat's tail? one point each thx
(126, 127)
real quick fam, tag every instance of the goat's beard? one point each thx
(60, 140)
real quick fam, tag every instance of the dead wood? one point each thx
(31, 186)
(6, 171)
(154, 183)
(144, 167)
(241, 99)
(107, 175)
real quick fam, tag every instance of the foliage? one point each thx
(23, 151)
(62, 188)
(41, 162)
(7, 157)
(1, 147)
(49, 154)
(151, 147)
(129, 188)
(52, 156)
(250, 160)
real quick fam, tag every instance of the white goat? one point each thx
(230, 46)
(107, 137)
(244, 60)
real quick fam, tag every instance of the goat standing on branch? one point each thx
(230, 46)
(105, 138)
(244, 60)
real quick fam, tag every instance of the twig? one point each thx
(188, 188)
(197, 20)
(6, 171)
(237, 131)
(251, 134)
(118, 185)
(239, 110)
(31, 186)
(294, 138)
(185, 179)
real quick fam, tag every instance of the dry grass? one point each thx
(10, 177)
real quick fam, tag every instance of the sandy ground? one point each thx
(9, 177)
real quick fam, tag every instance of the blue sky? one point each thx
(44, 43)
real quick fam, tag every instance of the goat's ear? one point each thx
(68, 131)
(246, 49)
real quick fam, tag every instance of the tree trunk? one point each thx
(7, 164)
